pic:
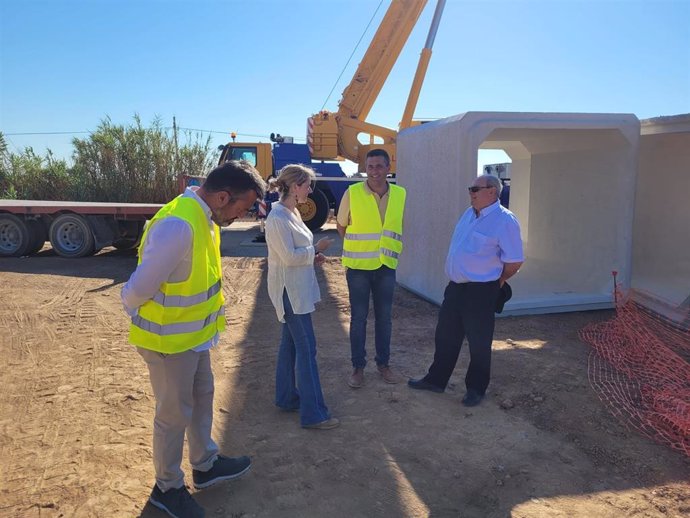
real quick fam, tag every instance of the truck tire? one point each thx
(15, 237)
(315, 210)
(39, 236)
(71, 236)
(133, 230)
(127, 243)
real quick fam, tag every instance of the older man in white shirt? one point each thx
(484, 252)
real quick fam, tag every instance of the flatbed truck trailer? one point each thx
(74, 229)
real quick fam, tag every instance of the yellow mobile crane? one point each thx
(335, 136)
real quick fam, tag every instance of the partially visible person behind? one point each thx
(262, 212)
(370, 221)
(505, 194)
(485, 251)
(175, 299)
(294, 290)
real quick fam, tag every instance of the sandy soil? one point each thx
(76, 414)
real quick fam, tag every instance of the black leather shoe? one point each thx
(472, 398)
(422, 384)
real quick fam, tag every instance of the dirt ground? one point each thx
(76, 413)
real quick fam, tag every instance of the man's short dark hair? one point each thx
(236, 176)
(380, 152)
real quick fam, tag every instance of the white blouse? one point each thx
(290, 262)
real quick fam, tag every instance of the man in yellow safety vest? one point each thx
(370, 220)
(175, 299)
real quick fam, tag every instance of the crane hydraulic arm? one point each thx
(334, 136)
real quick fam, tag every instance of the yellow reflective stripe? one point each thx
(360, 255)
(370, 237)
(363, 237)
(370, 242)
(390, 253)
(184, 301)
(177, 328)
(371, 255)
(391, 234)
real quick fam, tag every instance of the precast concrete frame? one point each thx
(572, 189)
(661, 225)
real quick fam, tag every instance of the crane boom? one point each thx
(335, 136)
(384, 50)
(422, 66)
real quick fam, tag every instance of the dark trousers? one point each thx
(467, 311)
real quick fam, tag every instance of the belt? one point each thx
(472, 282)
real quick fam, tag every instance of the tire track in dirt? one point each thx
(242, 278)
(63, 337)
(76, 414)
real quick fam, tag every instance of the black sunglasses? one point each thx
(476, 188)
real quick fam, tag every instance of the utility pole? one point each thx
(175, 138)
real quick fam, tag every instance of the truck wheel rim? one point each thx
(70, 237)
(307, 209)
(10, 237)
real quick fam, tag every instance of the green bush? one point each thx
(28, 176)
(116, 163)
(137, 164)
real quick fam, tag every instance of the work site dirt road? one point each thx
(76, 412)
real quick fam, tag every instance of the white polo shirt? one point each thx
(482, 244)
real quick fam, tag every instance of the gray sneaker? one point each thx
(178, 503)
(224, 468)
(328, 424)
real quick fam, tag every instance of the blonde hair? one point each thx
(292, 174)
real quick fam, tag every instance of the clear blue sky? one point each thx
(263, 66)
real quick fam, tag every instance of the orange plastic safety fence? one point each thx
(640, 368)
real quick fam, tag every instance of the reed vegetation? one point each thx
(116, 163)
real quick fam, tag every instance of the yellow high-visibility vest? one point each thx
(184, 315)
(368, 243)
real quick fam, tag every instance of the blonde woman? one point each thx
(293, 290)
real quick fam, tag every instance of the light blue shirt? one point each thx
(482, 243)
(168, 253)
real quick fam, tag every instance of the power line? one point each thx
(35, 133)
(208, 131)
(46, 133)
(237, 134)
(223, 132)
(29, 133)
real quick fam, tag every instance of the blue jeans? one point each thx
(297, 355)
(380, 284)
